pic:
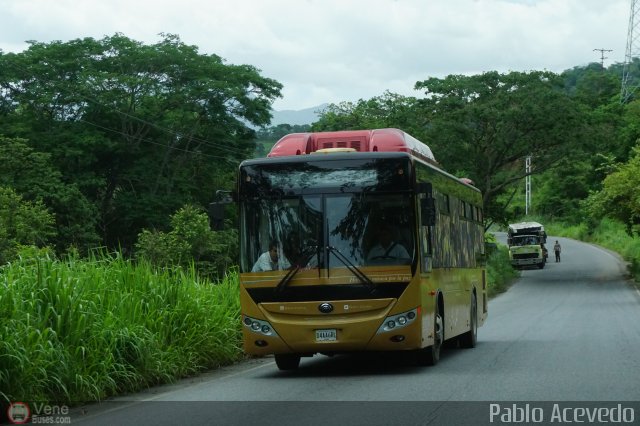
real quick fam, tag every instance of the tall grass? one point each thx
(82, 330)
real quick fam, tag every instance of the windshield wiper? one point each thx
(294, 270)
(353, 268)
(287, 278)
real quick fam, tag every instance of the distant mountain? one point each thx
(302, 116)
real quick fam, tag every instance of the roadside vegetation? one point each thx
(78, 330)
(500, 273)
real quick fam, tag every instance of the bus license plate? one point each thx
(326, 335)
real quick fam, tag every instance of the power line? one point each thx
(602, 57)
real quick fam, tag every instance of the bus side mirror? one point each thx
(216, 209)
(428, 211)
(216, 215)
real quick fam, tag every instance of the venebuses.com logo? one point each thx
(20, 413)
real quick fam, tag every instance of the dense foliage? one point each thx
(190, 242)
(484, 126)
(22, 223)
(620, 195)
(115, 136)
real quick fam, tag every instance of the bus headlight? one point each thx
(397, 321)
(258, 326)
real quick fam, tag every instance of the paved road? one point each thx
(567, 334)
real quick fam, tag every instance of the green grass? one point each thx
(82, 330)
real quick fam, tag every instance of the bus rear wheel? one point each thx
(469, 339)
(431, 354)
(287, 361)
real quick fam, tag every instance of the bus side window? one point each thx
(425, 237)
(427, 217)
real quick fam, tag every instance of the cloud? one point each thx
(336, 50)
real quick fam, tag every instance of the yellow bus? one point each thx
(357, 241)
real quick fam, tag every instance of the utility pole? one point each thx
(602, 57)
(633, 51)
(527, 185)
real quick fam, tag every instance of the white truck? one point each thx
(526, 244)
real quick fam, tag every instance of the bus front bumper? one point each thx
(322, 336)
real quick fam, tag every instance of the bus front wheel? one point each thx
(287, 361)
(431, 354)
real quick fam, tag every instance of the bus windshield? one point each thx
(275, 179)
(328, 230)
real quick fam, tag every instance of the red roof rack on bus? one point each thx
(381, 140)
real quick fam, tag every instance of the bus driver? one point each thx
(270, 260)
(387, 248)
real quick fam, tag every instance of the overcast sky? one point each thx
(345, 50)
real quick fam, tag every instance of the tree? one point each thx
(140, 129)
(484, 126)
(22, 223)
(388, 110)
(619, 197)
(190, 240)
(558, 192)
(593, 85)
(32, 175)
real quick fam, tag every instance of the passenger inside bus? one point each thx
(271, 260)
(386, 249)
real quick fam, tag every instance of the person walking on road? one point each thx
(557, 249)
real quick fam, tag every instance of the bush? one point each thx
(500, 273)
(190, 241)
(22, 223)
